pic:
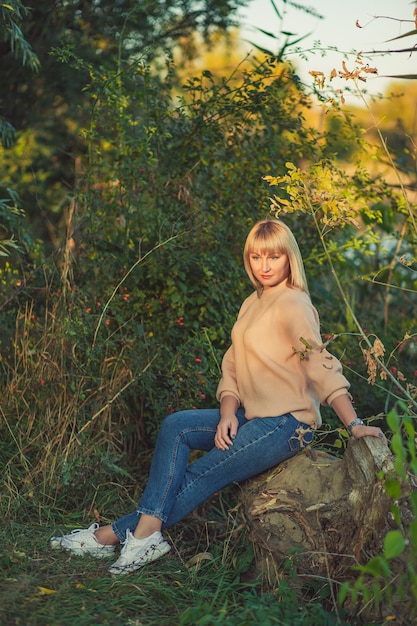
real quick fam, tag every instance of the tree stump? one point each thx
(324, 513)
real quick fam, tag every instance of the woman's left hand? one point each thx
(226, 432)
(361, 430)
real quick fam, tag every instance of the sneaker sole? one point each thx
(98, 553)
(152, 554)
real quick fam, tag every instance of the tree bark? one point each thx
(320, 513)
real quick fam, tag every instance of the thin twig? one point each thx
(134, 266)
(110, 402)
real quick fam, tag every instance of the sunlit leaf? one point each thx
(44, 591)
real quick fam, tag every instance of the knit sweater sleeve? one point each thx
(228, 383)
(322, 369)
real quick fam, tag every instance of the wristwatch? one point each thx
(355, 422)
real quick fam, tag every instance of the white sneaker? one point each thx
(137, 552)
(83, 541)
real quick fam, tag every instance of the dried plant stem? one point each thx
(110, 402)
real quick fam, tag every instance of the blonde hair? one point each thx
(269, 236)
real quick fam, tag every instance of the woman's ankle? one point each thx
(106, 536)
(147, 526)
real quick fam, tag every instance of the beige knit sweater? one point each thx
(276, 363)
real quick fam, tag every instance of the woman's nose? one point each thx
(265, 265)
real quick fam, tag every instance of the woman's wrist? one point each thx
(358, 429)
(227, 417)
(356, 422)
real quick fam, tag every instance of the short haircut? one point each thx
(273, 236)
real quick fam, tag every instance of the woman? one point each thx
(275, 375)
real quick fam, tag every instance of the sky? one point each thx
(338, 29)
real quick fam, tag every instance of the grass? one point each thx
(44, 587)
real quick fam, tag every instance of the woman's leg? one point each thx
(175, 489)
(260, 444)
(180, 433)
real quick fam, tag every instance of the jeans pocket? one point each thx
(302, 437)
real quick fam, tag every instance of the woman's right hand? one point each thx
(226, 432)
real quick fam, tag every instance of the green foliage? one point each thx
(7, 133)
(50, 108)
(388, 581)
(12, 15)
(266, 609)
(11, 218)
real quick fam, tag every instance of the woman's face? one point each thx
(270, 269)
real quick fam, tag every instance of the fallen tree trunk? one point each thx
(323, 513)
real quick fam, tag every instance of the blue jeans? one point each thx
(175, 488)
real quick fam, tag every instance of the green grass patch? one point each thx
(41, 586)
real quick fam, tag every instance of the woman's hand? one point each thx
(347, 415)
(361, 430)
(226, 432)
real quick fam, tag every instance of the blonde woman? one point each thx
(275, 376)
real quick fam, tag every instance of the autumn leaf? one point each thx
(198, 559)
(44, 591)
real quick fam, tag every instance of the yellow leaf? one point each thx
(197, 560)
(272, 180)
(46, 592)
(282, 201)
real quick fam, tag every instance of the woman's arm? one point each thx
(228, 424)
(343, 407)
